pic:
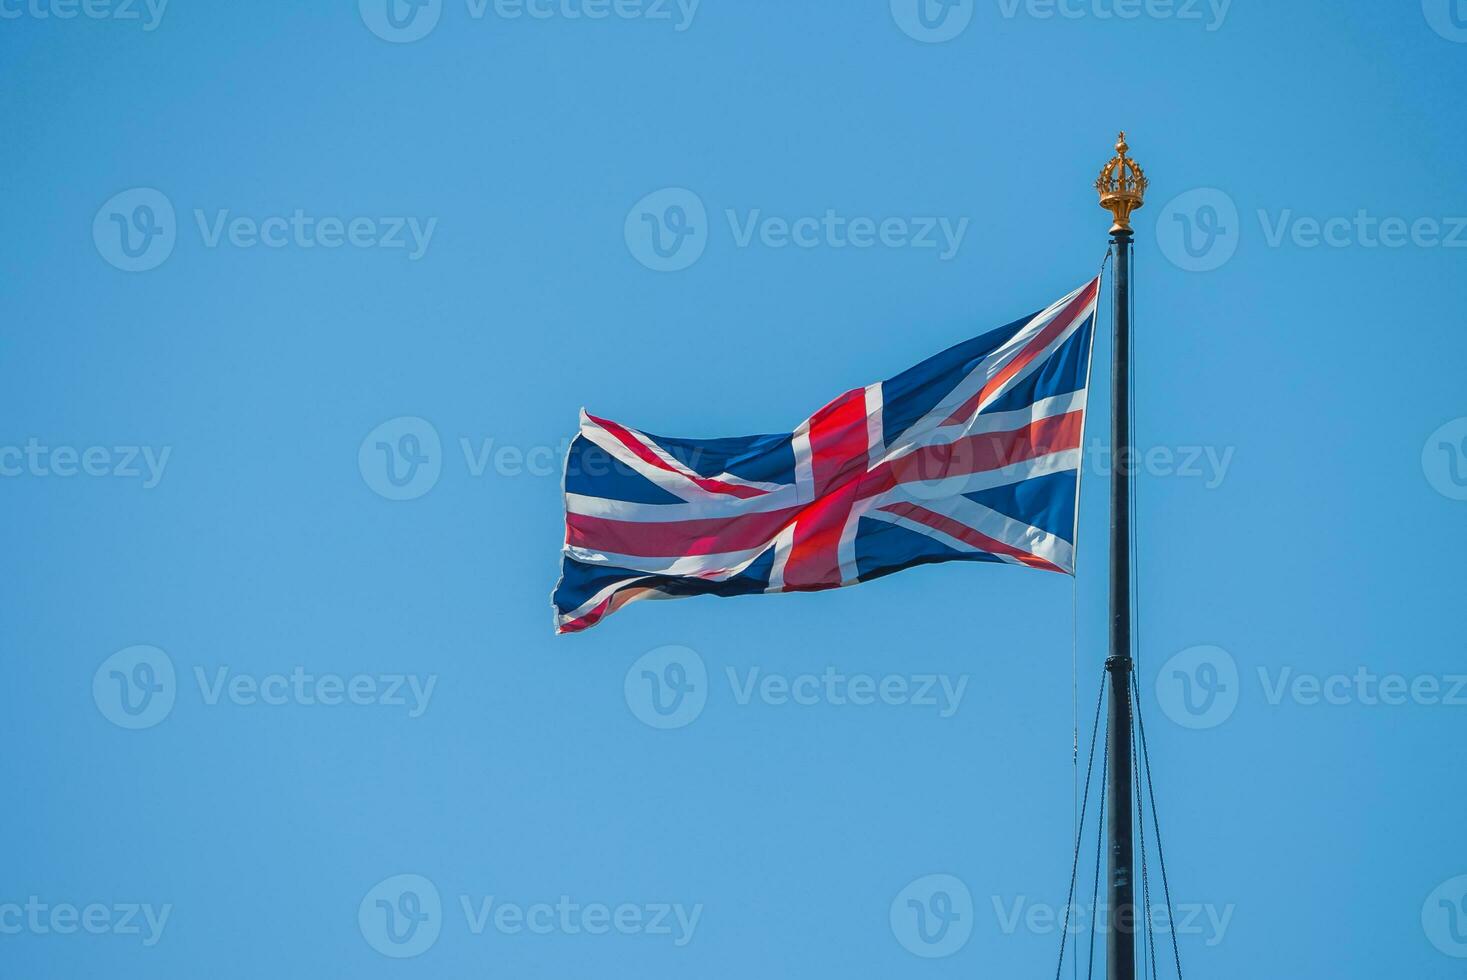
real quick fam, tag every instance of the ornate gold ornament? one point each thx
(1122, 187)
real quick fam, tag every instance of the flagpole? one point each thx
(1122, 187)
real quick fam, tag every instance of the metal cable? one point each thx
(1156, 827)
(1075, 862)
(1099, 849)
(1141, 834)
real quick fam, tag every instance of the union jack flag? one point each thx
(972, 455)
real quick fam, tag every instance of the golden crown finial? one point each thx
(1122, 187)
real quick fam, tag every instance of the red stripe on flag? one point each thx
(1053, 329)
(587, 621)
(839, 450)
(838, 441)
(814, 561)
(966, 534)
(979, 453)
(674, 539)
(626, 438)
(604, 608)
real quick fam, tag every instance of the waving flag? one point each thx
(972, 455)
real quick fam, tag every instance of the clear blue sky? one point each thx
(218, 408)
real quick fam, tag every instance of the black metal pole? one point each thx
(1121, 935)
